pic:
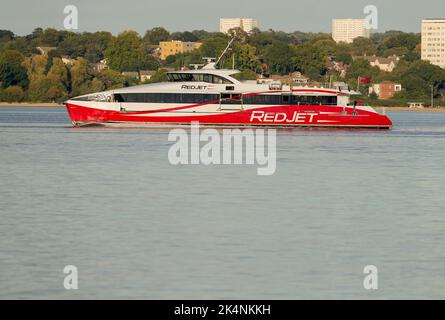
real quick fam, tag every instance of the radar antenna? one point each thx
(208, 59)
(196, 65)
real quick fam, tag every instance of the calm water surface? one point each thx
(109, 202)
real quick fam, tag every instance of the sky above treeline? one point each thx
(22, 16)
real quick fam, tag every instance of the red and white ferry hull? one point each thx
(84, 113)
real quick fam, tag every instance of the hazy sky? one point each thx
(22, 16)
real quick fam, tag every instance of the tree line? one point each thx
(26, 75)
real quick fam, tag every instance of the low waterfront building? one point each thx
(174, 47)
(245, 24)
(416, 105)
(433, 41)
(385, 90)
(346, 30)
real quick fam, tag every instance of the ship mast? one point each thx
(225, 50)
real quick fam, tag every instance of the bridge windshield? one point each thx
(197, 77)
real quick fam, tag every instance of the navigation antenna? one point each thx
(211, 64)
(225, 50)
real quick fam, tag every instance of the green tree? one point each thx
(202, 34)
(12, 74)
(261, 40)
(159, 76)
(6, 35)
(397, 51)
(156, 35)
(146, 59)
(325, 45)
(280, 56)
(361, 68)
(59, 77)
(343, 57)
(126, 52)
(50, 37)
(213, 47)
(246, 58)
(184, 36)
(112, 79)
(20, 44)
(97, 85)
(311, 59)
(36, 66)
(11, 56)
(88, 45)
(361, 46)
(418, 78)
(245, 75)
(373, 96)
(96, 45)
(81, 77)
(400, 40)
(38, 88)
(13, 94)
(73, 46)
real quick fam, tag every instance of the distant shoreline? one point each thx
(44, 105)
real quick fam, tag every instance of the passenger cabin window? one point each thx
(276, 99)
(286, 99)
(191, 98)
(229, 98)
(224, 98)
(197, 77)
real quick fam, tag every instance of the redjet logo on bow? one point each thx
(281, 117)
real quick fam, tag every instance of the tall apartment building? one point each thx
(433, 41)
(245, 24)
(171, 48)
(346, 30)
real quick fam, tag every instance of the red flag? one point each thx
(364, 79)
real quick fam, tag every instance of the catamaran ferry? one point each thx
(214, 97)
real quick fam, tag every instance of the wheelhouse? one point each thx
(197, 77)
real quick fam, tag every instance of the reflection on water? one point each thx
(108, 201)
